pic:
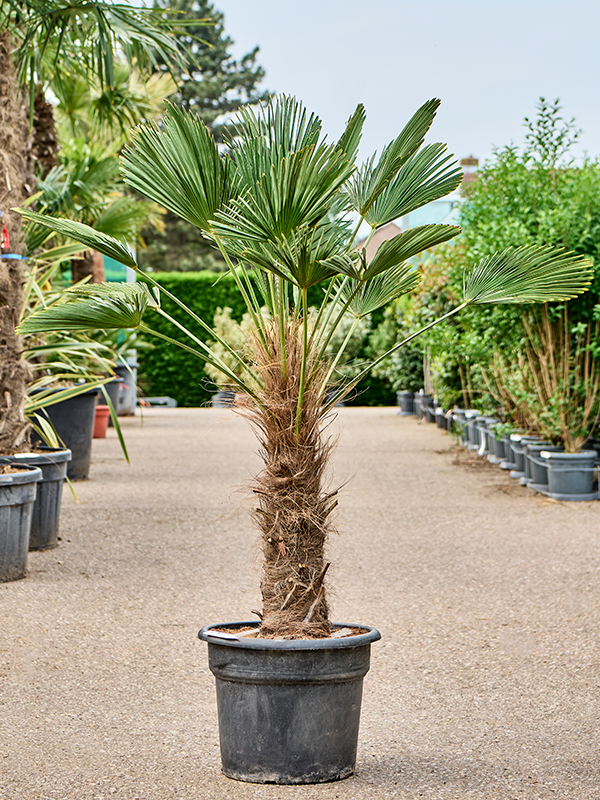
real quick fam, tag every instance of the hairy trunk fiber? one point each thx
(15, 184)
(91, 265)
(45, 143)
(293, 507)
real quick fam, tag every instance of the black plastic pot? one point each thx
(46, 508)
(17, 495)
(73, 420)
(288, 711)
(406, 404)
(570, 475)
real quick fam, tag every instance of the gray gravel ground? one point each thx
(485, 683)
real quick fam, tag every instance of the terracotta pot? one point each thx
(101, 418)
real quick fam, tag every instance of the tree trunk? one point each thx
(91, 265)
(45, 143)
(293, 506)
(16, 183)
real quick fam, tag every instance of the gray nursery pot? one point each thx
(17, 495)
(537, 467)
(288, 710)
(517, 441)
(406, 403)
(571, 475)
(46, 508)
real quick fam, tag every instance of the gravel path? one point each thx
(485, 683)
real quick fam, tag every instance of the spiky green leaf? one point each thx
(371, 179)
(532, 274)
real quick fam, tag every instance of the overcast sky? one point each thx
(488, 60)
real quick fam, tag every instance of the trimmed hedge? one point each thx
(169, 370)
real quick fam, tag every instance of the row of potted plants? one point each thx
(538, 464)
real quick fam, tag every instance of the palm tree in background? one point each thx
(43, 42)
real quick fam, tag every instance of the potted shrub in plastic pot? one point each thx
(282, 205)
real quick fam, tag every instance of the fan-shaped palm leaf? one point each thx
(366, 296)
(99, 305)
(426, 176)
(532, 274)
(92, 239)
(372, 178)
(406, 245)
(179, 166)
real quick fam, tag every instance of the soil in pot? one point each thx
(17, 495)
(288, 710)
(46, 508)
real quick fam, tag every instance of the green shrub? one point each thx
(168, 370)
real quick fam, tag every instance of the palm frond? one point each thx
(92, 239)
(178, 165)
(98, 305)
(426, 176)
(371, 179)
(350, 139)
(365, 297)
(406, 245)
(531, 274)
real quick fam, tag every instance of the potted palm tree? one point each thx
(283, 207)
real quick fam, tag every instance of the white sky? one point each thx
(488, 60)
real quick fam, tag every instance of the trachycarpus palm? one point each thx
(283, 207)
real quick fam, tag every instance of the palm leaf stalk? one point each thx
(281, 206)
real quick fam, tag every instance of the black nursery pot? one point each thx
(46, 508)
(289, 710)
(73, 420)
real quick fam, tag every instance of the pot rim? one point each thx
(370, 635)
(32, 475)
(51, 455)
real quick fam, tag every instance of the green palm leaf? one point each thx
(406, 245)
(92, 239)
(531, 274)
(426, 176)
(178, 165)
(367, 296)
(350, 139)
(371, 179)
(99, 305)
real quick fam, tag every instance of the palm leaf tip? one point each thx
(532, 274)
(98, 306)
(91, 238)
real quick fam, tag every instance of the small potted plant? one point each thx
(283, 206)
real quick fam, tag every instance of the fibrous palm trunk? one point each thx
(15, 184)
(293, 505)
